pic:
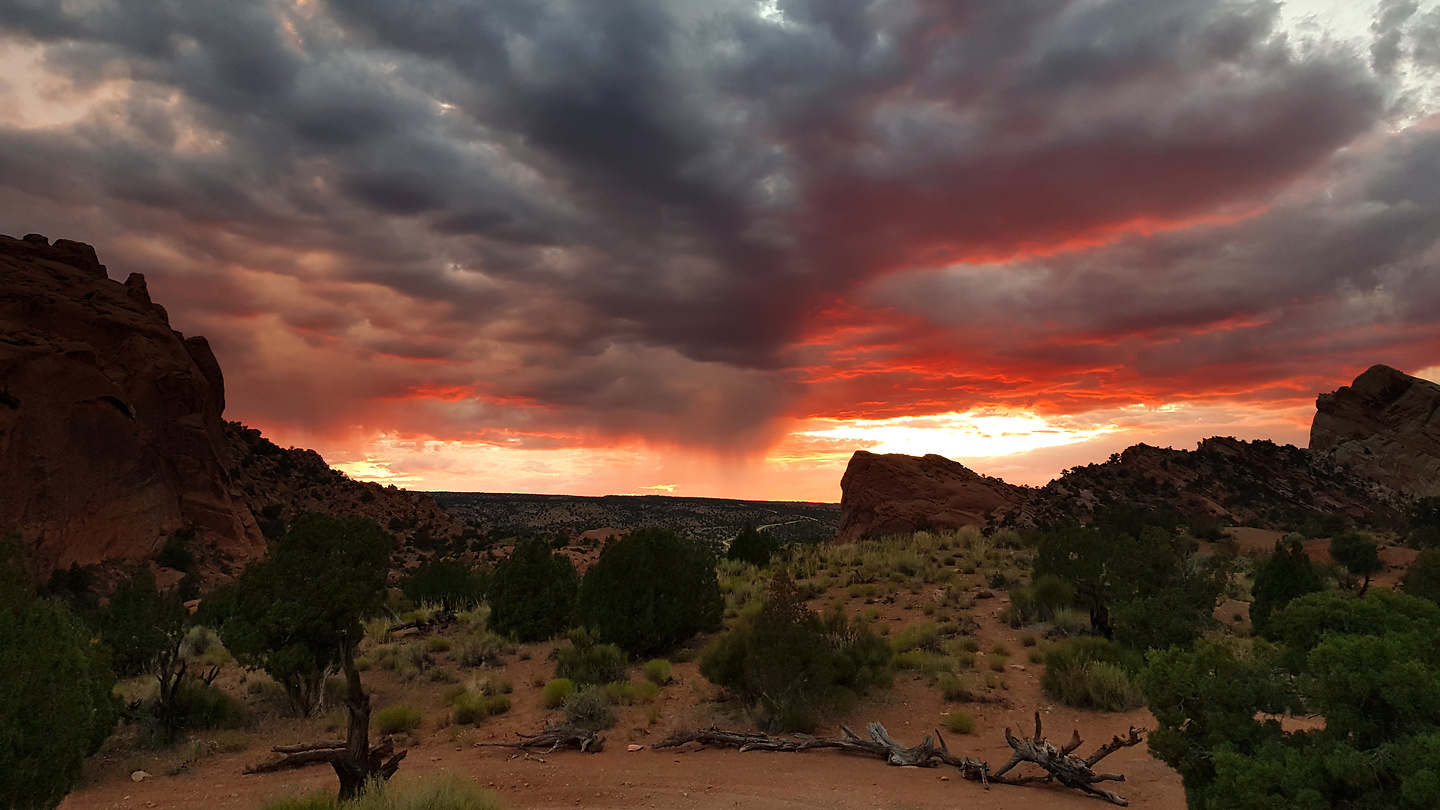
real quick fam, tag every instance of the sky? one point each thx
(713, 247)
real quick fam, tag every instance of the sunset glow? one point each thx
(713, 249)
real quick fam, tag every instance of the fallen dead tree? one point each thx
(1060, 764)
(438, 619)
(554, 738)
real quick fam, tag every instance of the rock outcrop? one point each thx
(277, 483)
(111, 436)
(1384, 426)
(892, 493)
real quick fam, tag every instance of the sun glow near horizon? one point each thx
(972, 434)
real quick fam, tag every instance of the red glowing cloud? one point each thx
(719, 252)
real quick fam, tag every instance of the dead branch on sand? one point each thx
(1059, 764)
(556, 737)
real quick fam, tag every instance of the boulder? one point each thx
(1384, 426)
(111, 436)
(893, 493)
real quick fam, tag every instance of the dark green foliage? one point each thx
(56, 705)
(1307, 620)
(199, 705)
(1106, 568)
(589, 708)
(176, 552)
(586, 661)
(1424, 519)
(290, 612)
(141, 624)
(1368, 667)
(1358, 554)
(650, 591)
(1284, 575)
(76, 586)
(450, 583)
(1089, 672)
(1422, 578)
(1169, 618)
(791, 666)
(532, 592)
(1038, 601)
(145, 631)
(1206, 698)
(753, 546)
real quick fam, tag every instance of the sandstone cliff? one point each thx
(1384, 426)
(892, 493)
(110, 430)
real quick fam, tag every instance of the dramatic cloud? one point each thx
(576, 245)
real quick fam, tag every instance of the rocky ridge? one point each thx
(1374, 445)
(1384, 426)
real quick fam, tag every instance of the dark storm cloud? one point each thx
(630, 210)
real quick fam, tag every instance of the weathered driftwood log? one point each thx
(1062, 766)
(1059, 763)
(299, 756)
(438, 619)
(555, 737)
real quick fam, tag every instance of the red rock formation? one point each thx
(1384, 426)
(892, 493)
(110, 429)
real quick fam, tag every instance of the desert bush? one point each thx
(1167, 619)
(586, 661)
(397, 719)
(472, 706)
(1422, 579)
(450, 583)
(954, 687)
(1086, 673)
(629, 693)
(1068, 623)
(532, 592)
(790, 665)
(589, 708)
(657, 671)
(960, 721)
(451, 792)
(752, 546)
(650, 591)
(1285, 575)
(555, 692)
(56, 701)
(205, 706)
(485, 651)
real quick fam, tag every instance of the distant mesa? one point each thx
(1384, 426)
(112, 436)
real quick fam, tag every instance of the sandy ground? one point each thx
(671, 778)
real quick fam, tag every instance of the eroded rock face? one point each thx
(111, 435)
(1384, 426)
(893, 493)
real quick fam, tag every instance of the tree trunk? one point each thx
(354, 769)
(356, 764)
